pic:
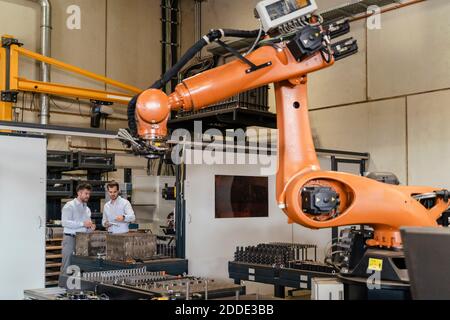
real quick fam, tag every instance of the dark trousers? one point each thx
(68, 249)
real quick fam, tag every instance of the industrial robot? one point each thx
(292, 43)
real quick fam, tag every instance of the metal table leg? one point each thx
(279, 291)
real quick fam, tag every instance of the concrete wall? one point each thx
(400, 119)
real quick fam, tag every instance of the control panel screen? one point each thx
(284, 7)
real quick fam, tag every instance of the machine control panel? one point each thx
(274, 14)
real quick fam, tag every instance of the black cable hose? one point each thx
(132, 125)
(212, 36)
(241, 33)
(131, 114)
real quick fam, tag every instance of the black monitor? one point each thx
(427, 252)
(241, 197)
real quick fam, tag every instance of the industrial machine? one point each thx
(283, 265)
(139, 283)
(294, 45)
(277, 16)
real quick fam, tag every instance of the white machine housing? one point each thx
(326, 289)
(23, 187)
(276, 13)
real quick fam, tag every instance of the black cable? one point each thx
(79, 109)
(59, 107)
(212, 36)
(32, 101)
(197, 47)
(174, 39)
(106, 146)
(131, 114)
(326, 55)
(36, 102)
(236, 53)
(164, 35)
(132, 125)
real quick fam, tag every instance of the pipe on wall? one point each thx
(170, 19)
(45, 43)
(198, 23)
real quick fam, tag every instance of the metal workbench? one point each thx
(280, 278)
(92, 264)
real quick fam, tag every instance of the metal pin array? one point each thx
(166, 250)
(279, 254)
(124, 276)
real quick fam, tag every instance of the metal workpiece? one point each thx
(82, 296)
(63, 294)
(90, 244)
(125, 276)
(147, 277)
(141, 281)
(130, 246)
(166, 250)
(188, 288)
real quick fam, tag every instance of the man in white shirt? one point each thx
(76, 217)
(117, 213)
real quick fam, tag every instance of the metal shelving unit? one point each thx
(60, 163)
(63, 162)
(53, 258)
(280, 278)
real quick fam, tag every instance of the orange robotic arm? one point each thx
(308, 196)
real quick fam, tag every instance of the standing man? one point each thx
(76, 217)
(117, 213)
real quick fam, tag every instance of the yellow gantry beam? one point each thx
(14, 68)
(5, 107)
(20, 84)
(69, 91)
(68, 67)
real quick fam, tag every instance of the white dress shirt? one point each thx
(74, 214)
(117, 208)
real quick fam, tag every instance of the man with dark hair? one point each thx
(117, 213)
(76, 217)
